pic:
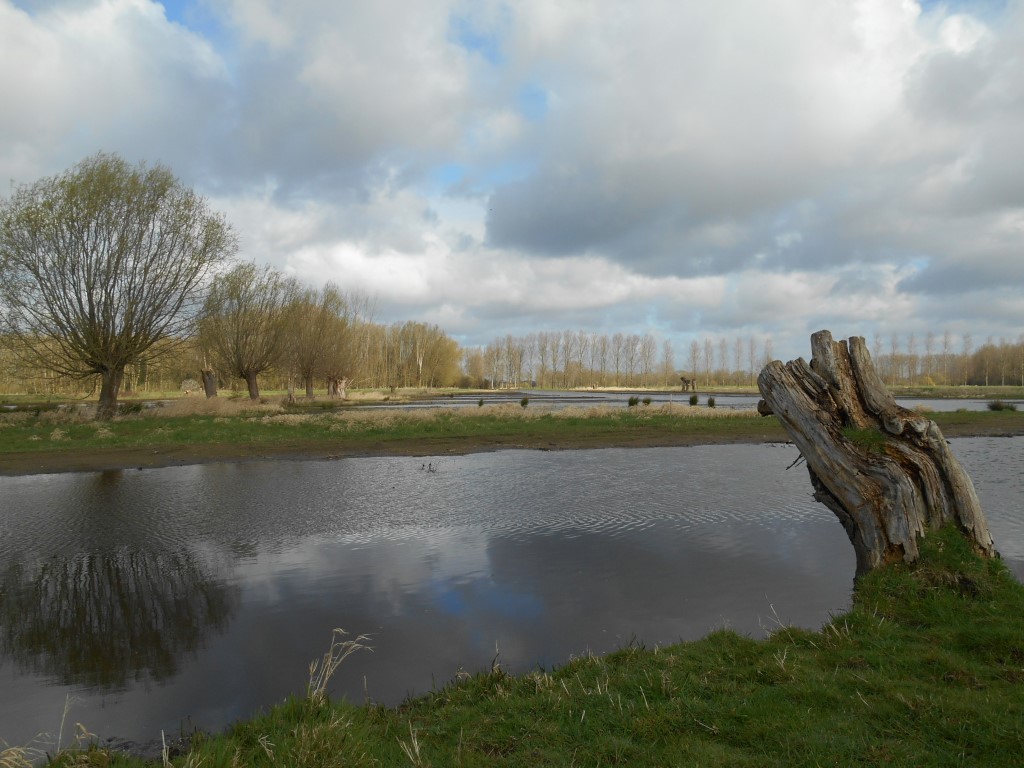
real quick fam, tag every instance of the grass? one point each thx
(191, 430)
(239, 422)
(925, 669)
(1001, 405)
(869, 440)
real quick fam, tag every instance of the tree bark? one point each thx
(886, 472)
(110, 387)
(253, 385)
(336, 388)
(209, 382)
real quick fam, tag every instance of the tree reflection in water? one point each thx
(101, 620)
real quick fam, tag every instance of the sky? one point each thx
(684, 168)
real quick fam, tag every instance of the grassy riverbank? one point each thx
(226, 430)
(195, 431)
(925, 669)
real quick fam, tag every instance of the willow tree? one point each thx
(100, 263)
(245, 321)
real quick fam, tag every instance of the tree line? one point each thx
(570, 359)
(120, 275)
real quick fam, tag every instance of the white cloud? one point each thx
(735, 168)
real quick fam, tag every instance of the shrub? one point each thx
(524, 402)
(480, 402)
(694, 400)
(647, 401)
(1001, 405)
(634, 400)
(711, 402)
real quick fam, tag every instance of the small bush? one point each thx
(480, 402)
(711, 402)
(1001, 405)
(524, 402)
(694, 400)
(634, 400)
(127, 409)
(647, 401)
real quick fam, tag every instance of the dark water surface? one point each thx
(194, 596)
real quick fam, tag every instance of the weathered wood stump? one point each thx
(886, 472)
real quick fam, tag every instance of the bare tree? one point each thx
(968, 347)
(737, 359)
(947, 348)
(694, 357)
(668, 364)
(752, 356)
(618, 355)
(99, 264)
(929, 354)
(244, 321)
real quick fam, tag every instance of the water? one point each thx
(194, 596)
(557, 399)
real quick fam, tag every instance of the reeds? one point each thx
(321, 670)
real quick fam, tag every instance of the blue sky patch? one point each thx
(467, 33)
(533, 102)
(982, 9)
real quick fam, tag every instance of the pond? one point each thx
(187, 597)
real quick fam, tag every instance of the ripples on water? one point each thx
(204, 573)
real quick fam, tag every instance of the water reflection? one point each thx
(103, 619)
(194, 577)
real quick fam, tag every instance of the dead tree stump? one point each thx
(886, 472)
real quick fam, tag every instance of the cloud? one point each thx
(682, 167)
(111, 75)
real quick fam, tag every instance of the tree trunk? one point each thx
(886, 472)
(109, 390)
(309, 387)
(209, 382)
(254, 387)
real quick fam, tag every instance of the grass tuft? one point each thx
(321, 670)
(1001, 405)
(869, 440)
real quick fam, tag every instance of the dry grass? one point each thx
(293, 419)
(20, 757)
(71, 415)
(214, 406)
(321, 670)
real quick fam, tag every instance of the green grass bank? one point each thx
(188, 431)
(926, 669)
